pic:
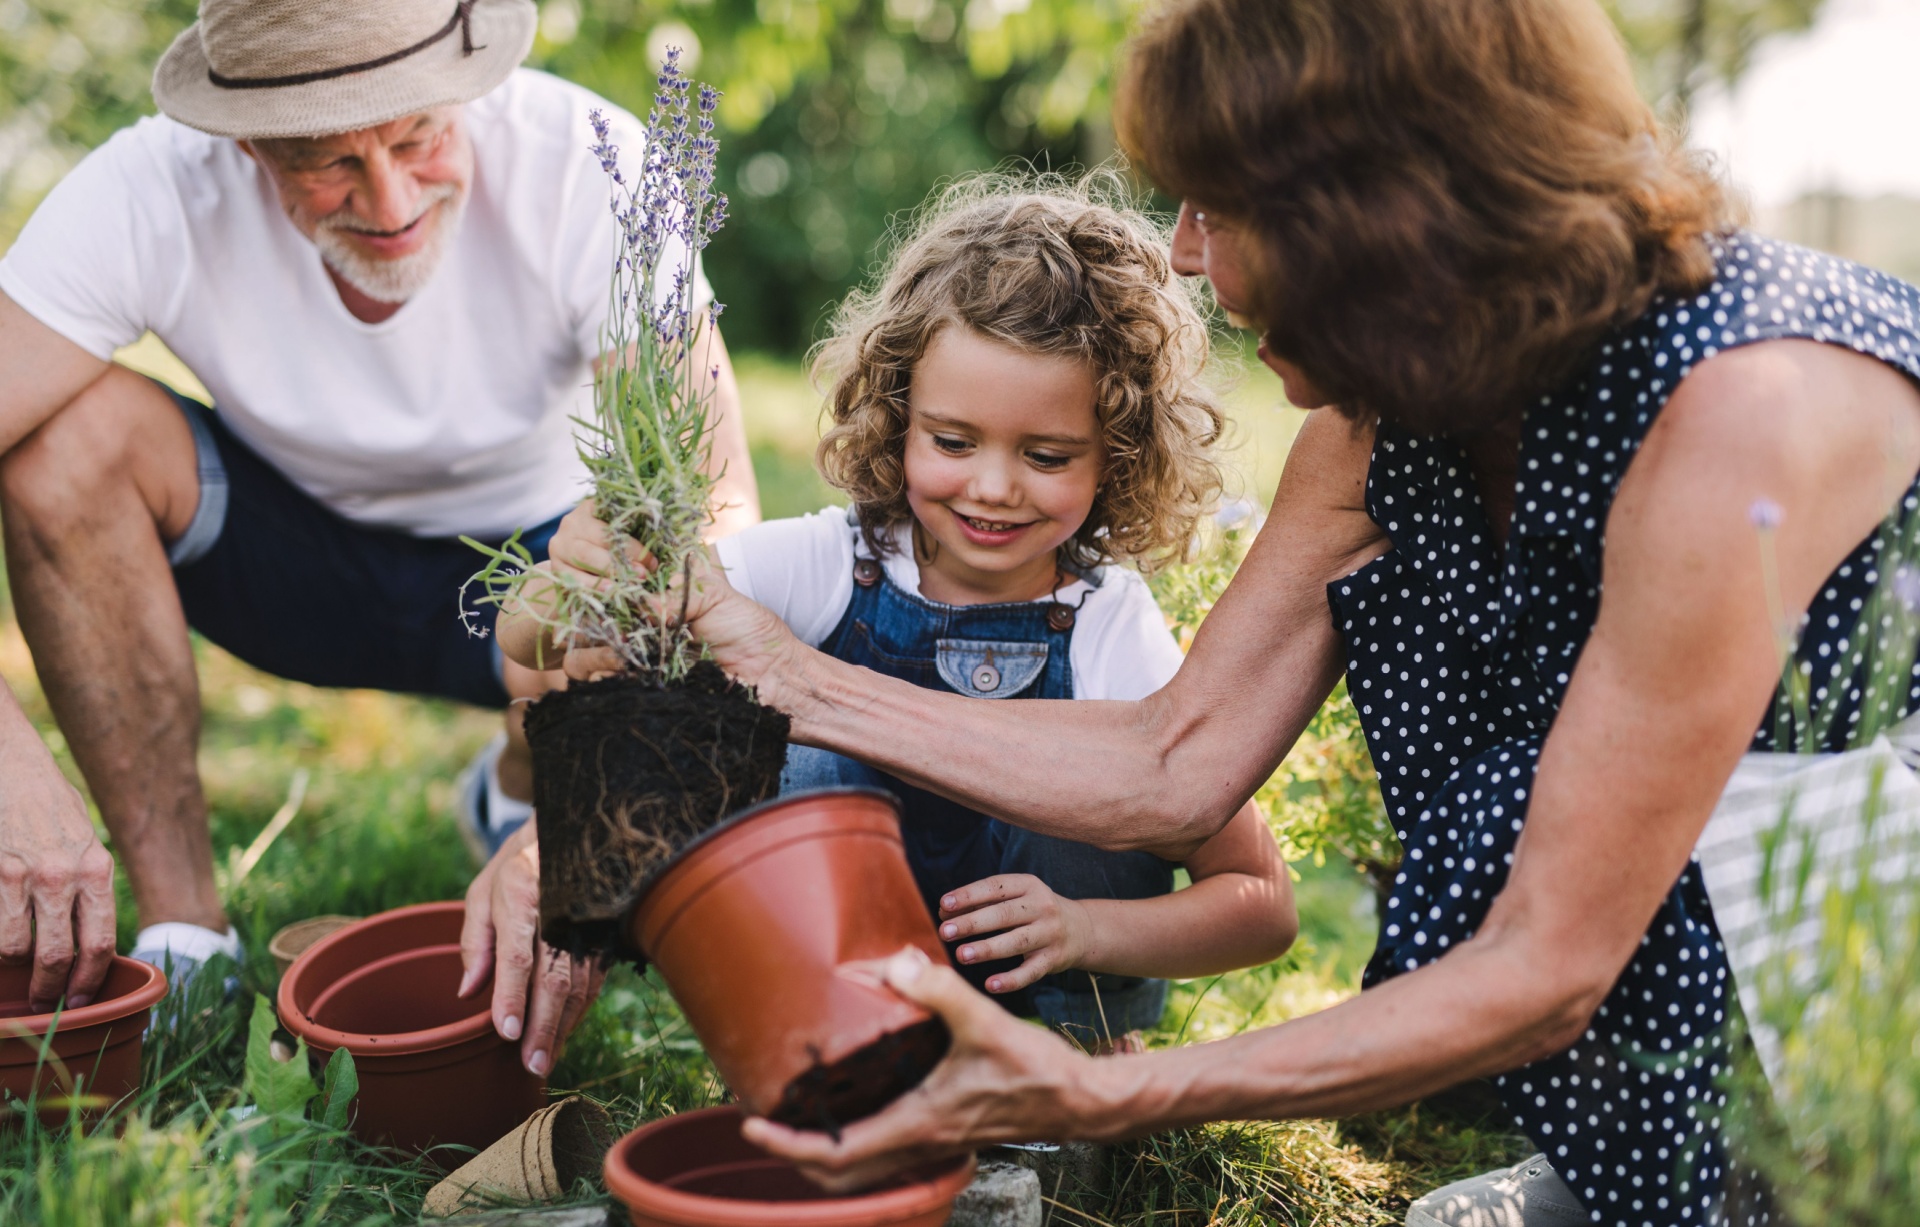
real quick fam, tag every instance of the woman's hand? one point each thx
(539, 993)
(1028, 919)
(1002, 1081)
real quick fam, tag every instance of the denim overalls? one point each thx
(1004, 651)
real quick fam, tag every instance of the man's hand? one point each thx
(1029, 919)
(56, 880)
(501, 941)
(1003, 1080)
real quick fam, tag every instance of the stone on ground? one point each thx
(1001, 1195)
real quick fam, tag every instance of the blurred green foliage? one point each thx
(1324, 801)
(1680, 45)
(1837, 1133)
(838, 115)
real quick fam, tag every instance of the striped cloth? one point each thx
(1832, 817)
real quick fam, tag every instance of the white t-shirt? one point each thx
(451, 417)
(802, 569)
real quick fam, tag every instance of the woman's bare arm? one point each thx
(1667, 693)
(1162, 774)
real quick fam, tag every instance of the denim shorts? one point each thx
(299, 591)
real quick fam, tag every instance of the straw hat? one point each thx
(267, 68)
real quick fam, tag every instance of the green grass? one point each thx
(374, 831)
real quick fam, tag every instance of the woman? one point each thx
(1544, 361)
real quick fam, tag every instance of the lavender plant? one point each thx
(1834, 1126)
(648, 441)
(1885, 639)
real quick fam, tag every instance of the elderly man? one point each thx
(385, 251)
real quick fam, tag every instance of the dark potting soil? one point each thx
(827, 1097)
(626, 773)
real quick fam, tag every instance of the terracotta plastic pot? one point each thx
(432, 1069)
(769, 930)
(695, 1170)
(94, 1057)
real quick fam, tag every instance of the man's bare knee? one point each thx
(121, 435)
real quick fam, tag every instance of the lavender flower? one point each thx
(1905, 585)
(647, 441)
(1765, 514)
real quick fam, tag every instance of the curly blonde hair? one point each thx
(1050, 266)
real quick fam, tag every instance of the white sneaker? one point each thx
(485, 814)
(180, 949)
(1528, 1194)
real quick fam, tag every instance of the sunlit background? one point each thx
(839, 116)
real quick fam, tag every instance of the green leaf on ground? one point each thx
(341, 1083)
(278, 1086)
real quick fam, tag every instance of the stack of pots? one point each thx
(87, 1057)
(433, 1070)
(771, 930)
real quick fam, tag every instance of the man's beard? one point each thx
(392, 280)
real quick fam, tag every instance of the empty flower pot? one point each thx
(432, 1068)
(770, 931)
(93, 1058)
(695, 1170)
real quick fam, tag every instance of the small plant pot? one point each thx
(432, 1069)
(695, 1170)
(539, 1162)
(770, 931)
(292, 941)
(93, 1059)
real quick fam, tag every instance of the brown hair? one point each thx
(1050, 266)
(1450, 200)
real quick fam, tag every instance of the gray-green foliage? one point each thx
(1836, 1132)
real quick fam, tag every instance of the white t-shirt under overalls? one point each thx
(802, 570)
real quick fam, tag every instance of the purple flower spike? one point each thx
(1765, 514)
(1905, 584)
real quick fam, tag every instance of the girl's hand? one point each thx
(744, 638)
(1003, 1080)
(1053, 933)
(581, 548)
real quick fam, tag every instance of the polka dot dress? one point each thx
(1458, 655)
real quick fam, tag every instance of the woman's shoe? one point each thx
(1528, 1194)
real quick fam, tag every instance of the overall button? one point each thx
(1060, 617)
(866, 572)
(990, 668)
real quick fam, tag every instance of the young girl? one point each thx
(1016, 405)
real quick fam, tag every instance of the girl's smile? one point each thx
(1003, 460)
(990, 532)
